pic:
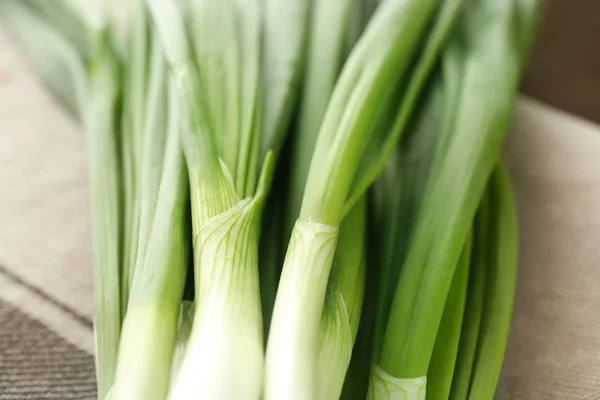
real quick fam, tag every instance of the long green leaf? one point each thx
(325, 56)
(465, 359)
(152, 154)
(150, 325)
(491, 72)
(135, 81)
(381, 146)
(104, 165)
(226, 40)
(398, 194)
(379, 59)
(500, 289)
(440, 374)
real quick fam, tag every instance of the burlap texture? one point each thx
(45, 258)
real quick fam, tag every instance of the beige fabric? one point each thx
(554, 349)
(44, 217)
(554, 345)
(37, 364)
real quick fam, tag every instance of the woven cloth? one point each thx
(46, 342)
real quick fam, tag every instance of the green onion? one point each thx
(401, 291)
(100, 118)
(378, 59)
(499, 291)
(343, 305)
(461, 378)
(224, 355)
(325, 57)
(136, 71)
(150, 326)
(328, 39)
(440, 375)
(490, 69)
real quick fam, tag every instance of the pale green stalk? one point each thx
(327, 45)
(150, 327)
(499, 291)
(100, 119)
(375, 65)
(325, 57)
(226, 41)
(153, 140)
(136, 71)
(343, 305)
(224, 355)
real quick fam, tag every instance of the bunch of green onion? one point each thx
(293, 200)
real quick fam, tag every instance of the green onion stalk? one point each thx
(330, 28)
(134, 112)
(473, 313)
(159, 267)
(441, 372)
(335, 343)
(100, 118)
(499, 289)
(285, 26)
(397, 196)
(367, 80)
(150, 327)
(489, 61)
(218, 81)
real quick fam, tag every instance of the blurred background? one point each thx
(564, 69)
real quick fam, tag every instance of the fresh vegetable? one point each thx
(365, 142)
(100, 116)
(489, 61)
(500, 288)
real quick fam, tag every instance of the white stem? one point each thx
(384, 386)
(293, 340)
(144, 350)
(224, 356)
(335, 350)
